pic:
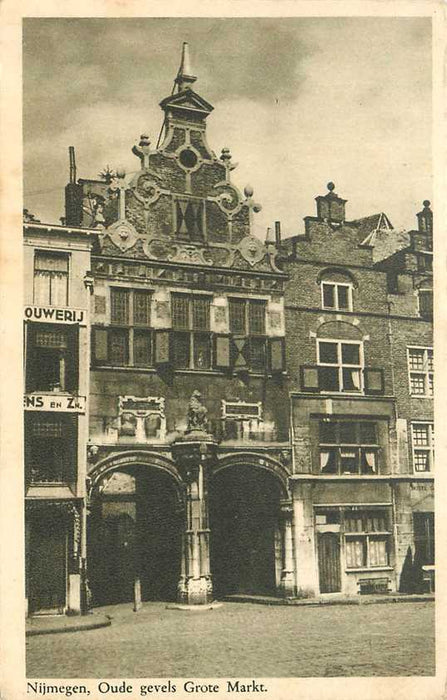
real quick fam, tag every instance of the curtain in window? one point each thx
(354, 375)
(324, 459)
(355, 553)
(370, 459)
(377, 552)
(59, 285)
(41, 287)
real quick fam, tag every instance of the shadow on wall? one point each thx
(411, 580)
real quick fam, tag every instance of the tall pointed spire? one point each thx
(185, 78)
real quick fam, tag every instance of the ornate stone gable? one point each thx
(181, 205)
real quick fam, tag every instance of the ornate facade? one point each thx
(221, 460)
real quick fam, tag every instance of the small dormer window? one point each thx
(337, 296)
(336, 291)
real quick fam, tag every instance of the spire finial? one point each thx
(184, 76)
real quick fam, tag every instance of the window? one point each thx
(340, 365)
(366, 539)
(50, 447)
(420, 368)
(424, 538)
(189, 216)
(423, 440)
(50, 279)
(348, 447)
(128, 340)
(51, 358)
(425, 297)
(336, 296)
(247, 324)
(191, 344)
(425, 262)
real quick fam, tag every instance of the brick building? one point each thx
(221, 458)
(360, 369)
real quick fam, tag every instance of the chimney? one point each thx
(278, 233)
(73, 194)
(331, 207)
(425, 218)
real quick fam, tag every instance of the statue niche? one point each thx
(197, 414)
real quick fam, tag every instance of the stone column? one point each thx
(288, 570)
(194, 454)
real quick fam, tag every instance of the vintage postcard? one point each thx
(222, 227)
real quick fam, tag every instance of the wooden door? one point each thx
(48, 551)
(329, 562)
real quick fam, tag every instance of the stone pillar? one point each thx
(304, 541)
(194, 454)
(288, 568)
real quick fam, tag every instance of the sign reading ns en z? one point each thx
(54, 402)
(52, 314)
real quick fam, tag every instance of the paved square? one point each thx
(244, 640)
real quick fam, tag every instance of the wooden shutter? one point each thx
(99, 345)
(239, 353)
(309, 378)
(162, 355)
(374, 380)
(277, 355)
(222, 358)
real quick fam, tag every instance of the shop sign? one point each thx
(54, 402)
(52, 314)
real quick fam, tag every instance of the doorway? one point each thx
(244, 506)
(134, 533)
(47, 563)
(329, 562)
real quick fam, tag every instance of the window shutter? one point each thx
(309, 378)
(162, 355)
(374, 380)
(277, 355)
(239, 353)
(99, 345)
(222, 351)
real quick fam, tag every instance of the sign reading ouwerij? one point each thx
(53, 314)
(54, 402)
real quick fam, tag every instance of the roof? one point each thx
(368, 226)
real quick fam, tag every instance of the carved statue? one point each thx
(197, 413)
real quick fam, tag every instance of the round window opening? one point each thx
(188, 158)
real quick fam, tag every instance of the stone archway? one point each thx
(248, 522)
(135, 528)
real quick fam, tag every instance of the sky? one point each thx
(299, 102)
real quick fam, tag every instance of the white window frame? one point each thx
(428, 449)
(336, 306)
(426, 373)
(342, 366)
(366, 536)
(50, 252)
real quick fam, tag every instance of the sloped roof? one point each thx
(369, 225)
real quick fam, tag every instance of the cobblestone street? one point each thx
(244, 640)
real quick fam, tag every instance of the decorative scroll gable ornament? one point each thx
(123, 235)
(252, 250)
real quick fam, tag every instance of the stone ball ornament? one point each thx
(121, 172)
(331, 186)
